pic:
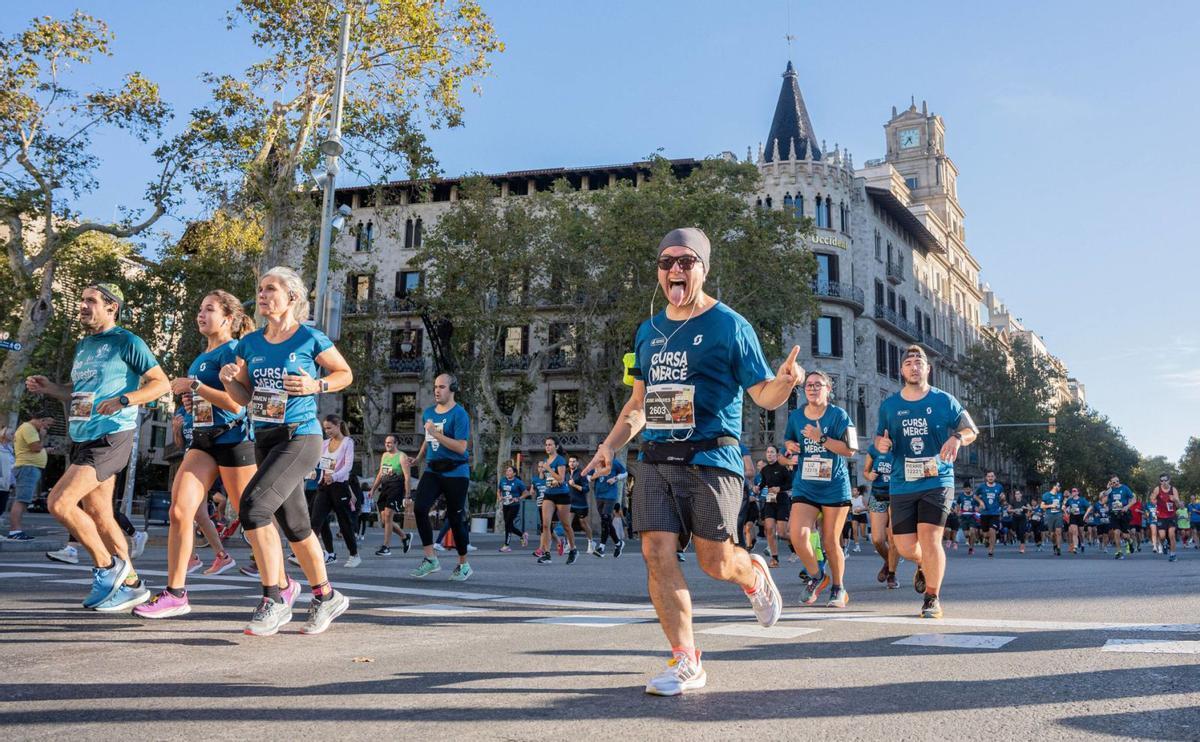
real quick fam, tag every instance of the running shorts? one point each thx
(952, 522)
(859, 517)
(1054, 521)
(878, 503)
(108, 454)
(778, 510)
(989, 522)
(559, 499)
(802, 500)
(229, 455)
(686, 499)
(930, 506)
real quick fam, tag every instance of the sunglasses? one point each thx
(686, 262)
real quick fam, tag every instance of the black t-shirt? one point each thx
(776, 475)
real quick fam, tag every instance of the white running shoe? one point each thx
(681, 675)
(590, 546)
(66, 554)
(353, 561)
(766, 600)
(472, 547)
(857, 548)
(139, 544)
(437, 546)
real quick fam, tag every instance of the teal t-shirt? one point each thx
(207, 369)
(106, 365)
(821, 475)
(1054, 500)
(881, 463)
(539, 486)
(1120, 497)
(990, 494)
(559, 489)
(453, 423)
(267, 363)
(511, 490)
(1076, 506)
(918, 430)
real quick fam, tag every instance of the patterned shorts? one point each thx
(875, 505)
(684, 499)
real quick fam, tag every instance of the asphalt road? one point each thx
(1031, 647)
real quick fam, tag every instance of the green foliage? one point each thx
(1145, 474)
(1189, 468)
(1087, 449)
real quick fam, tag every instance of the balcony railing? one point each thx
(898, 323)
(560, 362)
(576, 443)
(895, 273)
(408, 442)
(409, 365)
(934, 345)
(841, 292)
(392, 305)
(514, 362)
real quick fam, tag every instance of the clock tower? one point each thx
(916, 148)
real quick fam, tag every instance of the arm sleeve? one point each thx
(137, 354)
(345, 460)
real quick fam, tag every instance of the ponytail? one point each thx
(340, 423)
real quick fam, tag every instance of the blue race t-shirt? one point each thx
(990, 494)
(605, 491)
(453, 423)
(1054, 500)
(821, 475)
(539, 486)
(561, 488)
(267, 363)
(881, 464)
(918, 430)
(578, 496)
(1076, 505)
(106, 365)
(1194, 512)
(511, 490)
(695, 372)
(1120, 496)
(966, 504)
(207, 369)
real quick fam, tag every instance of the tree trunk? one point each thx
(503, 454)
(35, 316)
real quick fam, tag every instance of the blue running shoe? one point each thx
(125, 598)
(106, 582)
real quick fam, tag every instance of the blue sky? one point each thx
(1072, 124)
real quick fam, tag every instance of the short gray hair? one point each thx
(297, 291)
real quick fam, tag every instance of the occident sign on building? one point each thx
(828, 239)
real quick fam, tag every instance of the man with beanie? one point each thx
(693, 362)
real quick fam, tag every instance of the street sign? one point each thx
(11, 345)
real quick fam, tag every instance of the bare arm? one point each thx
(630, 422)
(771, 394)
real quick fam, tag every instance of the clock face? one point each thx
(909, 138)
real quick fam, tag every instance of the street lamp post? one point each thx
(332, 149)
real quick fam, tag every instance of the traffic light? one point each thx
(1052, 427)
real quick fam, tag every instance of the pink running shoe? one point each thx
(506, 548)
(222, 563)
(163, 605)
(561, 542)
(194, 564)
(290, 593)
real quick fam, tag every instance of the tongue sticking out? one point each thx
(677, 293)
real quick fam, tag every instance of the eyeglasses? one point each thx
(815, 385)
(686, 262)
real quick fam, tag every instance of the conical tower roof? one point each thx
(791, 122)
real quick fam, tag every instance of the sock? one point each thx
(929, 595)
(322, 592)
(133, 580)
(272, 592)
(176, 592)
(837, 587)
(689, 652)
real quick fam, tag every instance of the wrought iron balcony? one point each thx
(843, 293)
(407, 365)
(895, 273)
(515, 362)
(560, 362)
(897, 323)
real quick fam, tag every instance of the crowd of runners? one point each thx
(248, 420)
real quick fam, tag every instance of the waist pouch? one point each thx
(207, 437)
(275, 435)
(681, 452)
(441, 466)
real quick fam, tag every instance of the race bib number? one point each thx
(816, 469)
(327, 463)
(670, 407)
(925, 468)
(386, 469)
(772, 496)
(268, 405)
(202, 412)
(507, 499)
(433, 442)
(81, 406)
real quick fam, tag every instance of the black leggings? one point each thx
(334, 497)
(454, 489)
(606, 521)
(510, 521)
(277, 488)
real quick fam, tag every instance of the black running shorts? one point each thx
(108, 454)
(990, 522)
(930, 506)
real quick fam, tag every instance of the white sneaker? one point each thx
(66, 554)
(437, 546)
(766, 600)
(472, 547)
(590, 547)
(681, 675)
(139, 544)
(857, 548)
(353, 561)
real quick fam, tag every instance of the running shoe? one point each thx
(106, 582)
(813, 587)
(682, 674)
(774, 561)
(353, 561)
(561, 544)
(892, 584)
(838, 598)
(383, 551)
(194, 563)
(472, 547)
(505, 549)
(618, 549)
(932, 607)
(164, 605)
(1021, 550)
(1172, 557)
(883, 574)
(461, 573)
(591, 547)
(919, 581)
(322, 612)
(857, 548)
(126, 597)
(250, 570)
(992, 554)
(19, 536)
(544, 558)
(524, 540)
(269, 617)
(970, 551)
(598, 551)
(572, 555)
(290, 592)
(66, 555)
(437, 546)
(428, 566)
(139, 544)
(330, 557)
(229, 529)
(406, 543)
(1118, 555)
(222, 564)
(765, 600)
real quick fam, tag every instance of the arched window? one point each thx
(787, 201)
(370, 238)
(417, 233)
(768, 202)
(408, 233)
(828, 212)
(799, 206)
(358, 237)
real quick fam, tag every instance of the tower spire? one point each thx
(791, 122)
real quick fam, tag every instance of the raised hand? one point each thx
(790, 371)
(883, 443)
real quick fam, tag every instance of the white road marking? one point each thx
(591, 621)
(21, 574)
(1151, 646)
(436, 609)
(754, 631)
(585, 605)
(956, 641)
(1000, 623)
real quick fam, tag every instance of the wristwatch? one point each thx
(324, 386)
(957, 435)
(195, 387)
(822, 439)
(124, 400)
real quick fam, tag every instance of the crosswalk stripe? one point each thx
(754, 631)
(955, 641)
(1151, 646)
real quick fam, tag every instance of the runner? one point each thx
(1052, 512)
(1136, 509)
(606, 488)
(1120, 498)
(1076, 507)
(858, 515)
(213, 426)
(928, 427)
(1098, 512)
(578, 486)
(694, 360)
(181, 433)
(877, 469)
(333, 486)
(509, 494)
(822, 487)
(1018, 508)
(395, 492)
(29, 461)
(968, 517)
(112, 374)
(446, 475)
(989, 496)
(950, 532)
(1193, 520)
(748, 519)
(276, 376)
(1166, 503)
(777, 484)
(557, 502)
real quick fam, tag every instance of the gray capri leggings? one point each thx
(277, 488)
